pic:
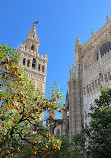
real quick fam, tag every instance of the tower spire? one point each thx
(92, 32)
(46, 52)
(32, 33)
(78, 41)
(67, 94)
(32, 42)
(78, 44)
(107, 19)
(69, 73)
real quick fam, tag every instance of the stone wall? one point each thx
(92, 69)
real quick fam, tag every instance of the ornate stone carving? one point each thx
(89, 73)
(29, 52)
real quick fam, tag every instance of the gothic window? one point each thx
(28, 62)
(96, 84)
(39, 67)
(42, 68)
(25, 47)
(109, 76)
(34, 63)
(100, 77)
(104, 49)
(106, 79)
(93, 86)
(90, 88)
(32, 47)
(58, 132)
(87, 89)
(24, 61)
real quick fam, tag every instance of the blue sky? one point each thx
(60, 22)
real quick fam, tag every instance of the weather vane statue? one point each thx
(35, 22)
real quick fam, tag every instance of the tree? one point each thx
(21, 131)
(78, 144)
(97, 134)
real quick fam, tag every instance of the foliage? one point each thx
(66, 148)
(78, 144)
(99, 131)
(97, 134)
(72, 150)
(21, 131)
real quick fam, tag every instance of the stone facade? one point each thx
(92, 69)
(36, 65)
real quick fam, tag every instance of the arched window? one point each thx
(34, 63)
(32, 47)
(39, 67)
(104, 49)
(42, 68)
(24, 61)
(28, 62)
(58, 132)
(25, 47)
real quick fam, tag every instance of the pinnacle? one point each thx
(32, 33)
(67, 94)
(92, 32)
(107, 19)
(78, 41)
(46, 53)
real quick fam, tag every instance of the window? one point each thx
(25, 47)
(39, 67)
(33, 63)
(42, 68)
(32, 47)
(58, 132)
(28, 62)
(24, 61)
(104, 49)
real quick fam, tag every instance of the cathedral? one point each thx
(92, 69)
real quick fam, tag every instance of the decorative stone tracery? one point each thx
(92, 69)
(31, 60)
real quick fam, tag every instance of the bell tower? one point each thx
(36, 65)
(32, 42)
